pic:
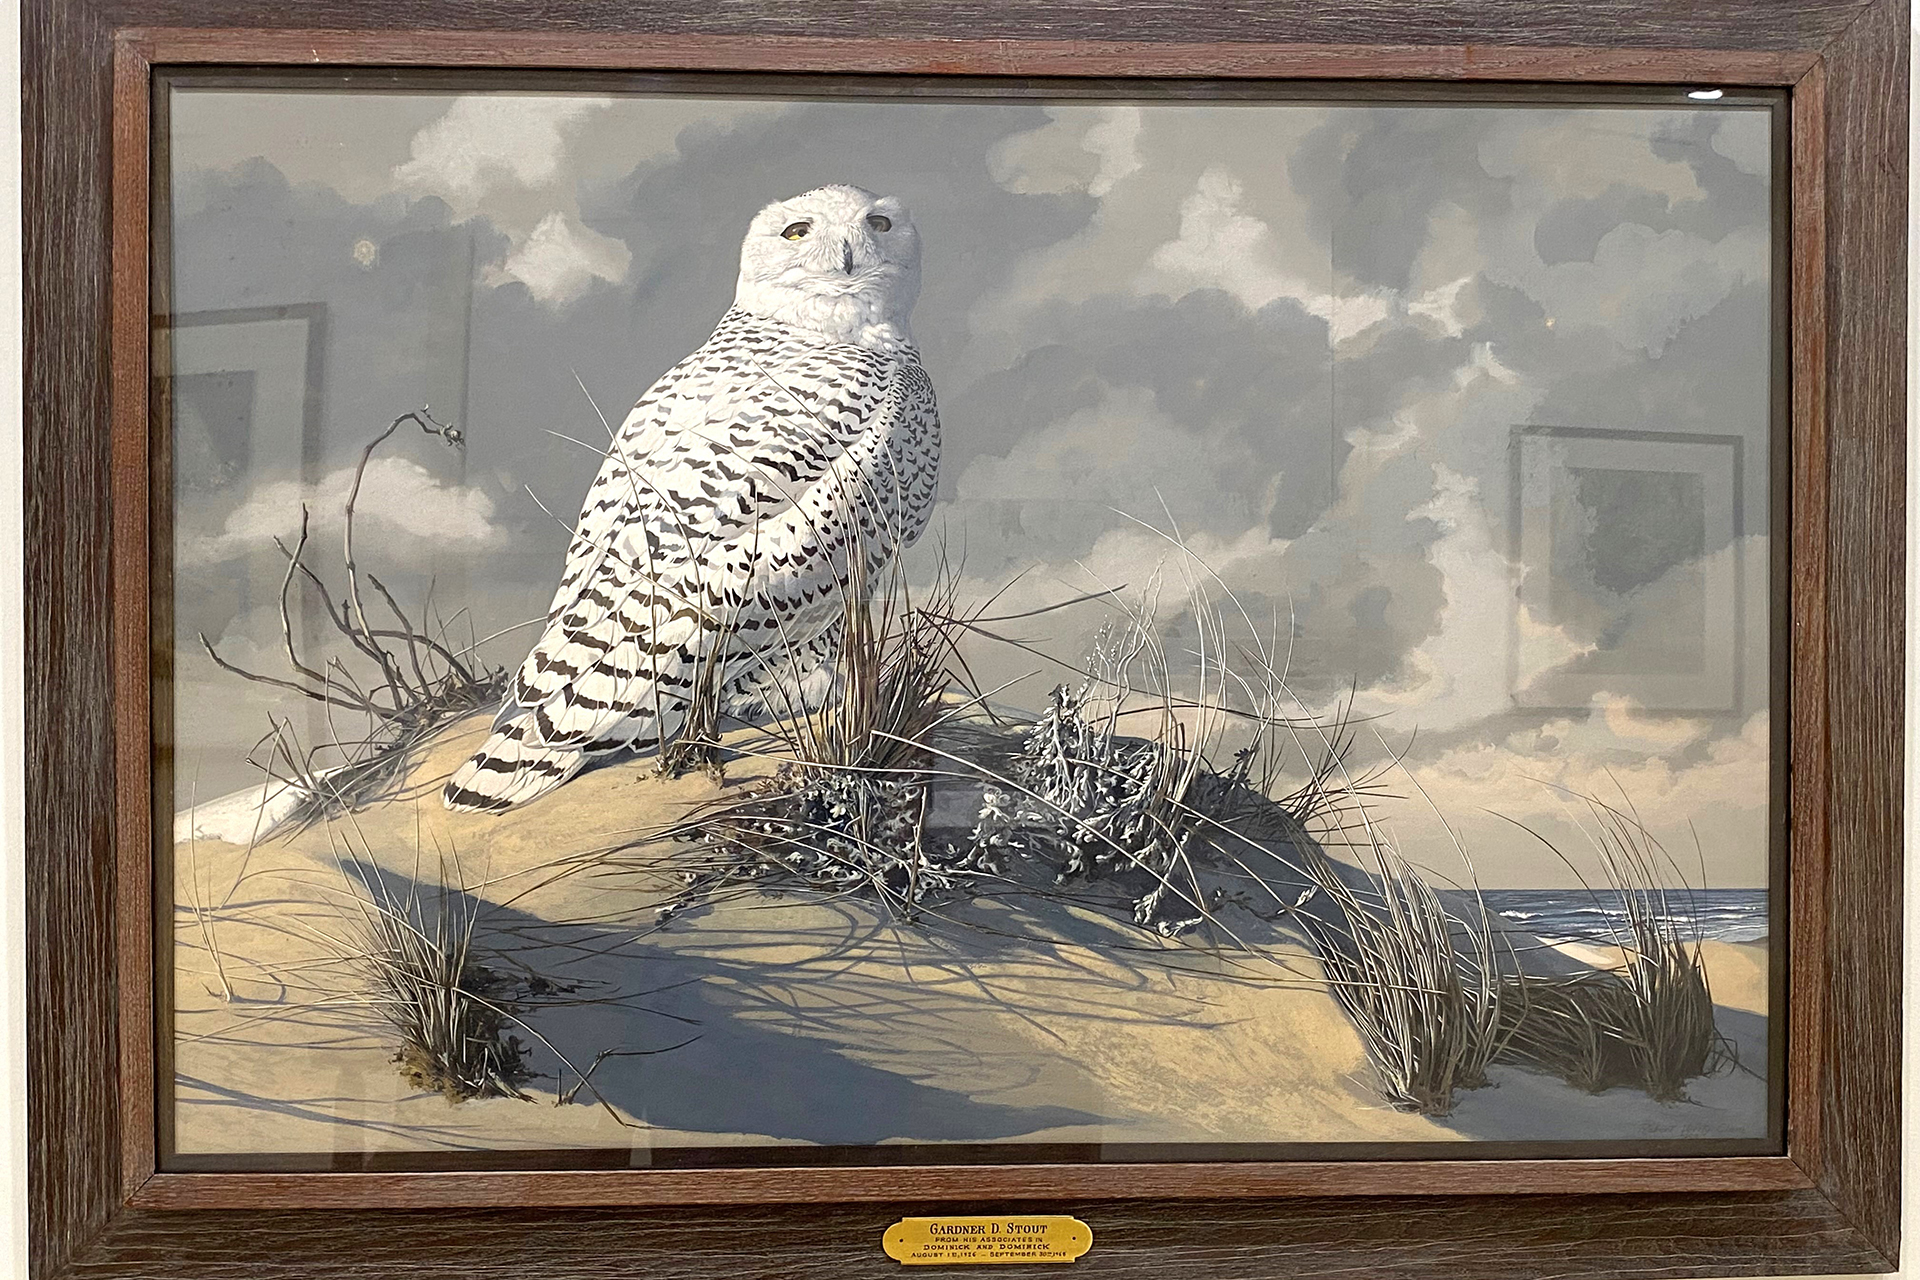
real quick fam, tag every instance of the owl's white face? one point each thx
(838, 260)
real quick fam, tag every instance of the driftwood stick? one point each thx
(400, 711)
(336, 614)
(423, 420)
(441, 651)
(407, 633)
(286, 617)
(315, 694)
(353, 497)
(344, 680)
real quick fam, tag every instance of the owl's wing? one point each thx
(616, 493)
(668, 550)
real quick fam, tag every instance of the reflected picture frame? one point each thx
(1827, 1203)
(1549, 464)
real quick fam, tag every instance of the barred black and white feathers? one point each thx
(734, 501)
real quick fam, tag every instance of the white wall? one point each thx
(13, 1250)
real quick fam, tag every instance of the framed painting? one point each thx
(1282, 643)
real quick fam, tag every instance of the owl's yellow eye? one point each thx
(880, 222)
(797, 230)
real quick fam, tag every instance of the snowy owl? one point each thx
(714, 543)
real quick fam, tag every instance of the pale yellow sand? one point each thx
(815, 1022)
(1736, 971)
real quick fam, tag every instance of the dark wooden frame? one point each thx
(1830, 1204)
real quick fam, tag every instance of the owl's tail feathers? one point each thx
(508, 771)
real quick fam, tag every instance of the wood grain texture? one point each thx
(1807, 622)
(128, 348)
(1570, 1238)
(1032, 57)
(1866, 178)
(937, 1182)
(1846, 1225)
(134, 51)
(1755, 25)
(72, 1044)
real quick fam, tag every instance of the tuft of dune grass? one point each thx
(845, 811)
(1647, 1022)
(1418, 983)
(449, 1013)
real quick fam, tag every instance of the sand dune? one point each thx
(806, 1021)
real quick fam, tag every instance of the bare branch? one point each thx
(315, 694)
(286, 584)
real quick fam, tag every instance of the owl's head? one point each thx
(838, 260)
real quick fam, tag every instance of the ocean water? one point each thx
(1577, 915)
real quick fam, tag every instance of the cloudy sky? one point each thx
(1472, 401)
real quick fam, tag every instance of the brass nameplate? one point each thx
(1020, 1238)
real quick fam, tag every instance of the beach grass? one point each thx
(1420, 983)
(845, 809)
(412, 947)
(1647, 1021)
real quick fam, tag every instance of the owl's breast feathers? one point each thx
(718, 534)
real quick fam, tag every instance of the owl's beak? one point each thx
(846, 257)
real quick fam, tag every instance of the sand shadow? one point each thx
(718, 1038)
